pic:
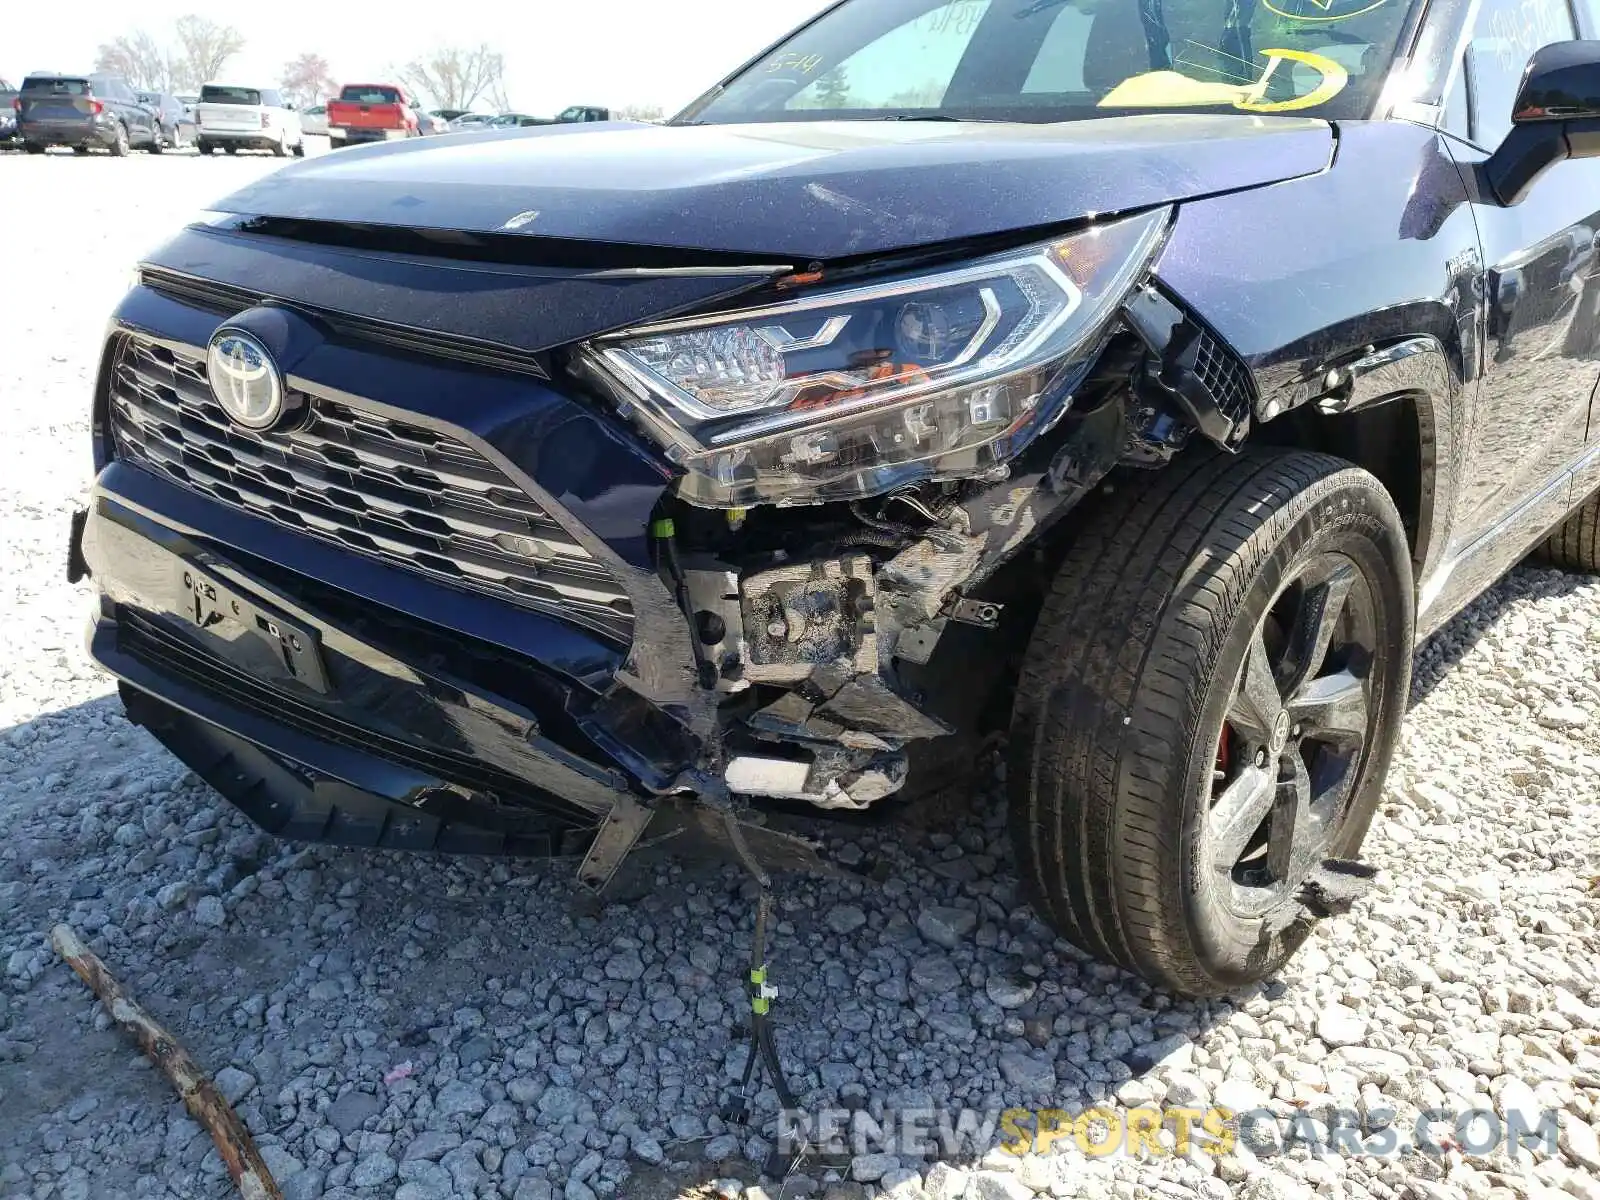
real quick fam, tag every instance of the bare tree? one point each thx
(455, 77)
(204, 48)
(640, 112)
(307, 79)
(139, 59)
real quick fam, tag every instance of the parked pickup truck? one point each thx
(371, 112)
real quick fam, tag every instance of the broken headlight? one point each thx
(852, 392)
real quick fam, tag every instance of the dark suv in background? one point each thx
(84, 112)
(175, 124)
(1142, 381)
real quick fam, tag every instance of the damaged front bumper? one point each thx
(327, 716)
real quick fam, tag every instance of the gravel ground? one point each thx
(427, 1028)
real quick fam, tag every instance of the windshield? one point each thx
(229, 95)
(1060, 60)
(56, 86)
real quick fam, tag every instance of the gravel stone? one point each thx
(869, 1168)
(1580, 1143)
(947, 927)
(431, 1144)
(234, 1084)
(1339, 1026)
(935, 974)
(208, 911)
(845, 919)
(370, 1172)
(1008, 992)
(626, 966)
(460, 1098)
(352, 1110)
(1030, 1071)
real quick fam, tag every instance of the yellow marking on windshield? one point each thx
(1172, 89)
(1334, 79)
(1324, 5)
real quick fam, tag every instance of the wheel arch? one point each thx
(1393, 409)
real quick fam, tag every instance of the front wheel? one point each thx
(1207, 710)
(205, 147)
(33, 148)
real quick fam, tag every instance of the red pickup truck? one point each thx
(371, 112)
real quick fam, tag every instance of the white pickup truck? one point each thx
(247, 118)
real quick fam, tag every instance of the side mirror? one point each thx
(1556, 117)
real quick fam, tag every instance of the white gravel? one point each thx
(426, 1028)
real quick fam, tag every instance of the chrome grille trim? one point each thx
(392, 490)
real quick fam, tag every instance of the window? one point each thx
(1057, 60)
(217, 94)
(909, 67)
(56, 87)
(360, 93)
(1504, 37)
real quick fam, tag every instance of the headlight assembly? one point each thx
(849, 393)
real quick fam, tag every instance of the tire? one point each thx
(300, 148)
(1575, 545)
(205, 147)
(230, 149)
(157, 143)
(80, 149)
(1132, 734)
(32, 148)
(119, 147)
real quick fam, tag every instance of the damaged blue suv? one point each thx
(1139, 378)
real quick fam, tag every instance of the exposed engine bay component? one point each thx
(1205, 379)
(981, 613)
(836, 779)
(718, 617)
(796, 617)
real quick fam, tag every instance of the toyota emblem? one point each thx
(244, 379)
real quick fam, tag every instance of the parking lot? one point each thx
(391, 1025)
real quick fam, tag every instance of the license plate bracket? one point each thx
(296, 647)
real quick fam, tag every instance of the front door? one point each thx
(1540, 353)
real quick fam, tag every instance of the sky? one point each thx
(557, 52)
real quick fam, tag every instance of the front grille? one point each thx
(386, 488)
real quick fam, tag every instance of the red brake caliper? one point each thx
(1224, 757)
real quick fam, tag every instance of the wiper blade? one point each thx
(924, 117)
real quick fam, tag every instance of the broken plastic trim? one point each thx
(1203, 377)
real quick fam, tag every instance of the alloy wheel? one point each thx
(1290, 750)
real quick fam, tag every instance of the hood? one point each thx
(793, 191)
